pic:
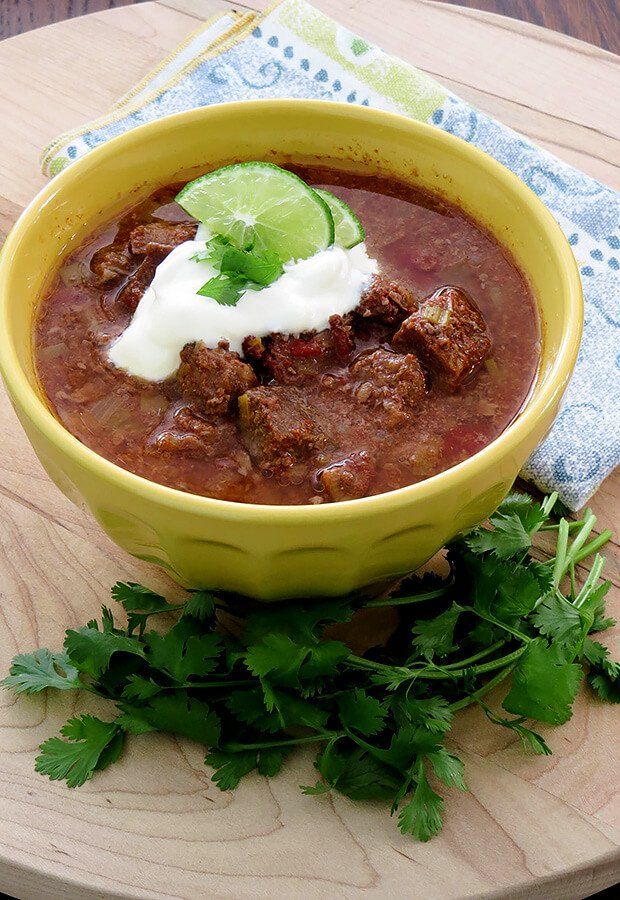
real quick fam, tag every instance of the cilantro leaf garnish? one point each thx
(239, 269)
(259, 267)
(378, 720)
(225, 290)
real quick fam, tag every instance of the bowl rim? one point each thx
(538, 402)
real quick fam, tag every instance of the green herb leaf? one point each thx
(184, 652)
(200, 605)
(409, 743)
(437, 635)
(358, 775)
(448, 768)
(314, 790)
(558, 619)
(422, 816)
(34, 672)
(139, 603)
(139, 688)
(91, 650)
(606, 685)
(433, 713)
(289, 664)
(77, 758)
(516, 520)
(380, 718)
(259, 267)
(531, 740)
(230, 767)
(224, 290)
(175, 713)
(239, 269)
(544, 685)
(214, 250)
(361, 712)
(604, 674)
(297, 620)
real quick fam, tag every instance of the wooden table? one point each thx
(595, 21)
(154, 825)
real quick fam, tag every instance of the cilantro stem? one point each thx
(241, 682)
(438, 674)
(572, 525)
(560, 553)
(513, 631)
(588, 585)
(166, 609)
(441, 673)
(480, 655)
(235, 747)
(573, 583)
(549, 502)
(496, 663)
(358, 662)
(589, 522)
(593, 546)
(413, 598)
(485, 689)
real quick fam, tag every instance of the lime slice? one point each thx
(260, 203)
(348, 228)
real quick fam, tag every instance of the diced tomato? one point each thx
(300, 348)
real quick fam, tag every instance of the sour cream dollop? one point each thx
(171, 313)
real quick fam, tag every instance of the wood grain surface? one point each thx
(595, 21)
(154, 825)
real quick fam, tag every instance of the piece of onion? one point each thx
(111, 411)
(53, 351)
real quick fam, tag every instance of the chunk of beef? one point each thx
(386, 300)
(132, 292)
(114, 260)
(390, 382)
(253, 348)
(213, 378)
(161, 237)
(348, 478)
(279, 432)
(450, 334)
(184, 431)
(291, 360)
(343, 340)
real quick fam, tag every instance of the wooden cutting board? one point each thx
(154, 825)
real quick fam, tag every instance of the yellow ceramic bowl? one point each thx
(274, 551)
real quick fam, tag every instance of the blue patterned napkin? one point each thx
(296, 51)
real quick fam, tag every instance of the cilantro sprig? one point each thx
(240, 269)
(380, 720)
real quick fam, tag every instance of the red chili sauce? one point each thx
(414, 381)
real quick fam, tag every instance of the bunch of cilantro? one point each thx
(252, 683)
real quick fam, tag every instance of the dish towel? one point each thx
(293, 50)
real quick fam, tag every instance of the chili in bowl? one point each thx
(302, 398)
